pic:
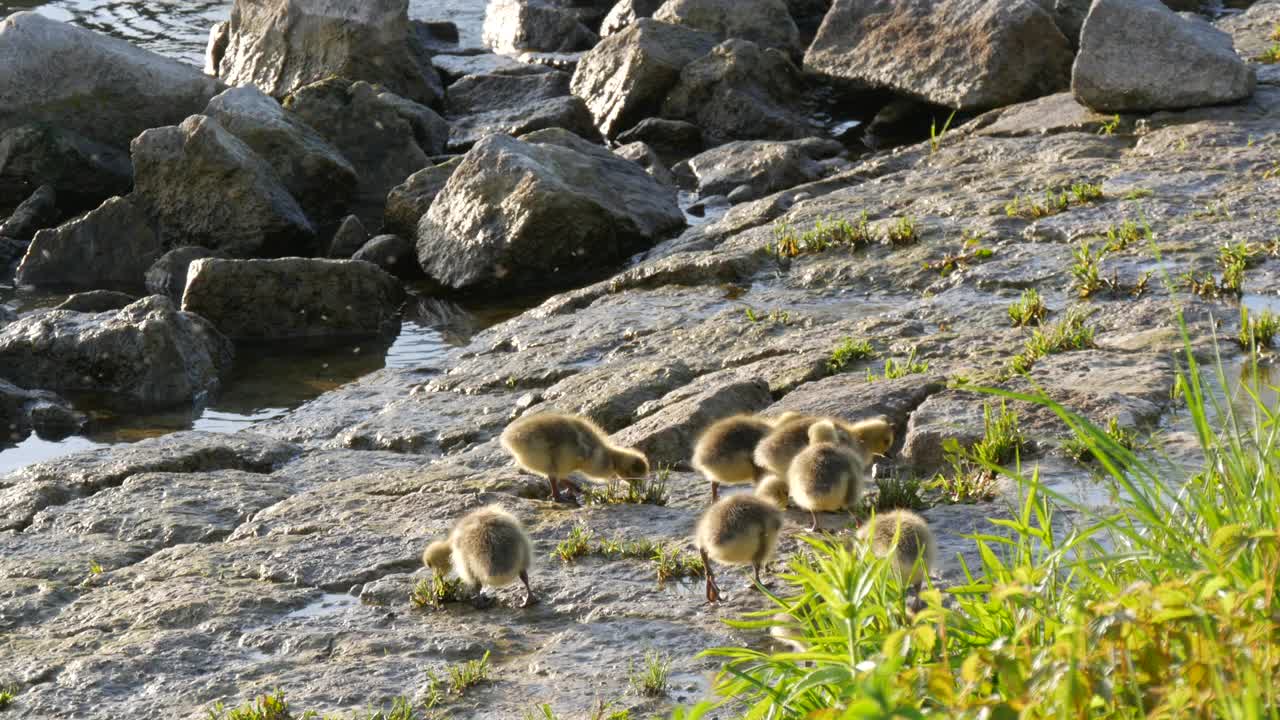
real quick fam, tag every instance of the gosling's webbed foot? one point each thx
(529, 600)
(482, 601)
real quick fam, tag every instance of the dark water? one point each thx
(180, 28)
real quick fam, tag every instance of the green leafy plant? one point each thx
(1109, 127)
(825, 234)
(1055, 201)
(849, 351)
(1086, 270)
(902, 231)
(898, 491)
(1079, 448)
(435, 591)
(1085, 193)
(974, 470)
(468, 674)
(7, 696)
(1160, 604)
(894, 369)
(576, 545)
(1127, 233)
(1269, 56)
(644, 491)
(653, 677)
(1070, 333)
(1257, 332)
(266, 707)
(971, 252)
(778, 317)
(668, 559)
(1138, 194)
(1028, 309)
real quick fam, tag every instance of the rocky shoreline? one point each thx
(158, 578)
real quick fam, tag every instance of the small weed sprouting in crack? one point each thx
(266, 707)
(1257, 332)
(825, 234)
(1233, 261)
(7, 695)
(1069, 333)
(435, 591)
(773, 317)
(1086, 270)
(1081, 450)
(971, 478)
(653, 677)
(668, 559)
(902, 231)
(671, 562)
(600, 711)
(897, 492)
(894, 370)
(1055, 202)
(468, 674)
(644, 491)
(1138, 194)
(1028, 309)
(936, 135)
(1127, 233)
(849, 351)
(1109, 127)
(576, 545)
(1270, 56)
(971, 252)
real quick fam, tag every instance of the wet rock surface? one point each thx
(111, 247)
(161, 577)
(512, 26)
(293, 298)
(82, 172)
(515, 103)
(767, 23)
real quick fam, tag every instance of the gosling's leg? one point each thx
(759, 562)
(566, 498)
(713, 590)
(813, 527)
(479, 600)
(529, 599)
(715, 490)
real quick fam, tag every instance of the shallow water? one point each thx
(180, 28)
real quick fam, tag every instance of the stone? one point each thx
(312, 170)
(964, 54)
(283, 45)
(1141, 56)
(409, 201)
(1070, 14)
(393, 254)
(82, 172)
(51, 72)
(626, 12)
(34, 214)
(768, 23)
(109, 248)
(22, 411)
(11, 251)
(645, 157)
(205, 187)
(294, 298)
(513, 26)
(216, 47)
(536, 212)
(514, 104)
(625, 78)
(97, 301)
(668, 137)
(167, 276)
(610, 396)
(148, 354)
(350, 237)
(740, 91)
(667, 436)
(372, 133)
(764, 166)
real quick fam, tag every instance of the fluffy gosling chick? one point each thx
(874, 437)
(487, 548)
(724, 451)
(907, 537)
(554, 446)
(826, 475)
(740, 529)
(774, 489)
(790, 436)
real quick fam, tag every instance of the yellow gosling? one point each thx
(826, 476)
(740, 529)
(487, 548)
(555, 446)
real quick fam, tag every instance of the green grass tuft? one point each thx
(1257, 332)
(266, 707)
(653, 677)
(902, 231)
(435, 591)
(849, 351)
(1079, 449)
(1069, 333)
(1028, 309)
(1086, 270)
(644, 491)
(894, 369)
(898, 492)
(825, 234)
(1125, 234)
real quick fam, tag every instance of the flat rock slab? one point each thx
(110, 247)
(294, 298)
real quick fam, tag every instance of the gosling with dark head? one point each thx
(874, 437)
(740, 529)
(487, 548)
(826, 476)
(555, 446)
(779, 448)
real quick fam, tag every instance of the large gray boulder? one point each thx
(965, 54)
(283, 45)
(149, 353)
(514, 104)
(22, 411)
(514, 26)
(1140, 56)
(539, 213)
(392, 253)
(623, 14)
(33, 215)
(761, 167)
(381, 136)
(409, 201)
(740, 91)
(312, 170)
(206, 187)
(109, 248)
(168, 275)
(294, 298)
(82, 172)
(102, 88)
(767, 23)
(626, 77)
